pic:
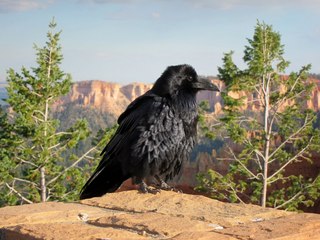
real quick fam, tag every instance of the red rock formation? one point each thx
(105, 96)
(114, 98)
(134, 90)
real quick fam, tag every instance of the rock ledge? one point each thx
(167, 215)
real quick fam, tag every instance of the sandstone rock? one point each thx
(167, 215)
(104, 96)
(134, 90)
(114, 98)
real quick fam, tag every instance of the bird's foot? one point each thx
(144, 188)
(167, 187)
(164, 186)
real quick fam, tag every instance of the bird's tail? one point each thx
(105, 179)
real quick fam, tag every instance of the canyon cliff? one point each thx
(105, 96)
(114, 98)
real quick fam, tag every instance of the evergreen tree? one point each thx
(276, 133)
(8, 143)
(40, 172)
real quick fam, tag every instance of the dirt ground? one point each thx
(166, 215)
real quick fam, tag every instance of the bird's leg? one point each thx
(144, 188)
(164, 186)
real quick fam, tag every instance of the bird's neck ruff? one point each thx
(185, 101)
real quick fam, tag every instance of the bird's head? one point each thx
(181, 78)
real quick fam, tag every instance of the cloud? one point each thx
(217, 4)
(110, 1)
(231, 4)
(155, 15)
(22, 5)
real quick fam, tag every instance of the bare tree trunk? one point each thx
(267, 140)
(43, 187)
(43, 184)
(265, 173)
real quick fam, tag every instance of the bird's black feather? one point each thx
(156, 133)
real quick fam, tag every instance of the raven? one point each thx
(156, 133)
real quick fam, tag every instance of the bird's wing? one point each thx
(113, 168)
(136, 114)
(162, 142)
(136, 104)
(149, 130)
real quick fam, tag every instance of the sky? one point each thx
(128, 41)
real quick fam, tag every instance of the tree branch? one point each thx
(246, 169)
(288, 201)
(26, 181)
(71, 166)
(38, 111)
(28, 162)
(291, 160)
(60, 133)
(37, 119)
(19, 194)
(235, 193)
(54, 146)
(257, 158)
(289, 138)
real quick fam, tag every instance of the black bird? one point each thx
(155, 136)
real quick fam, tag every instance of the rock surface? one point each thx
(166, 215)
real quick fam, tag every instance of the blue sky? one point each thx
(135, 40)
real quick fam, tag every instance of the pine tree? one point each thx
(276, 133)
(8, 143)
(41, 173)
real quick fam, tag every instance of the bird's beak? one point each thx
(203, 83)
